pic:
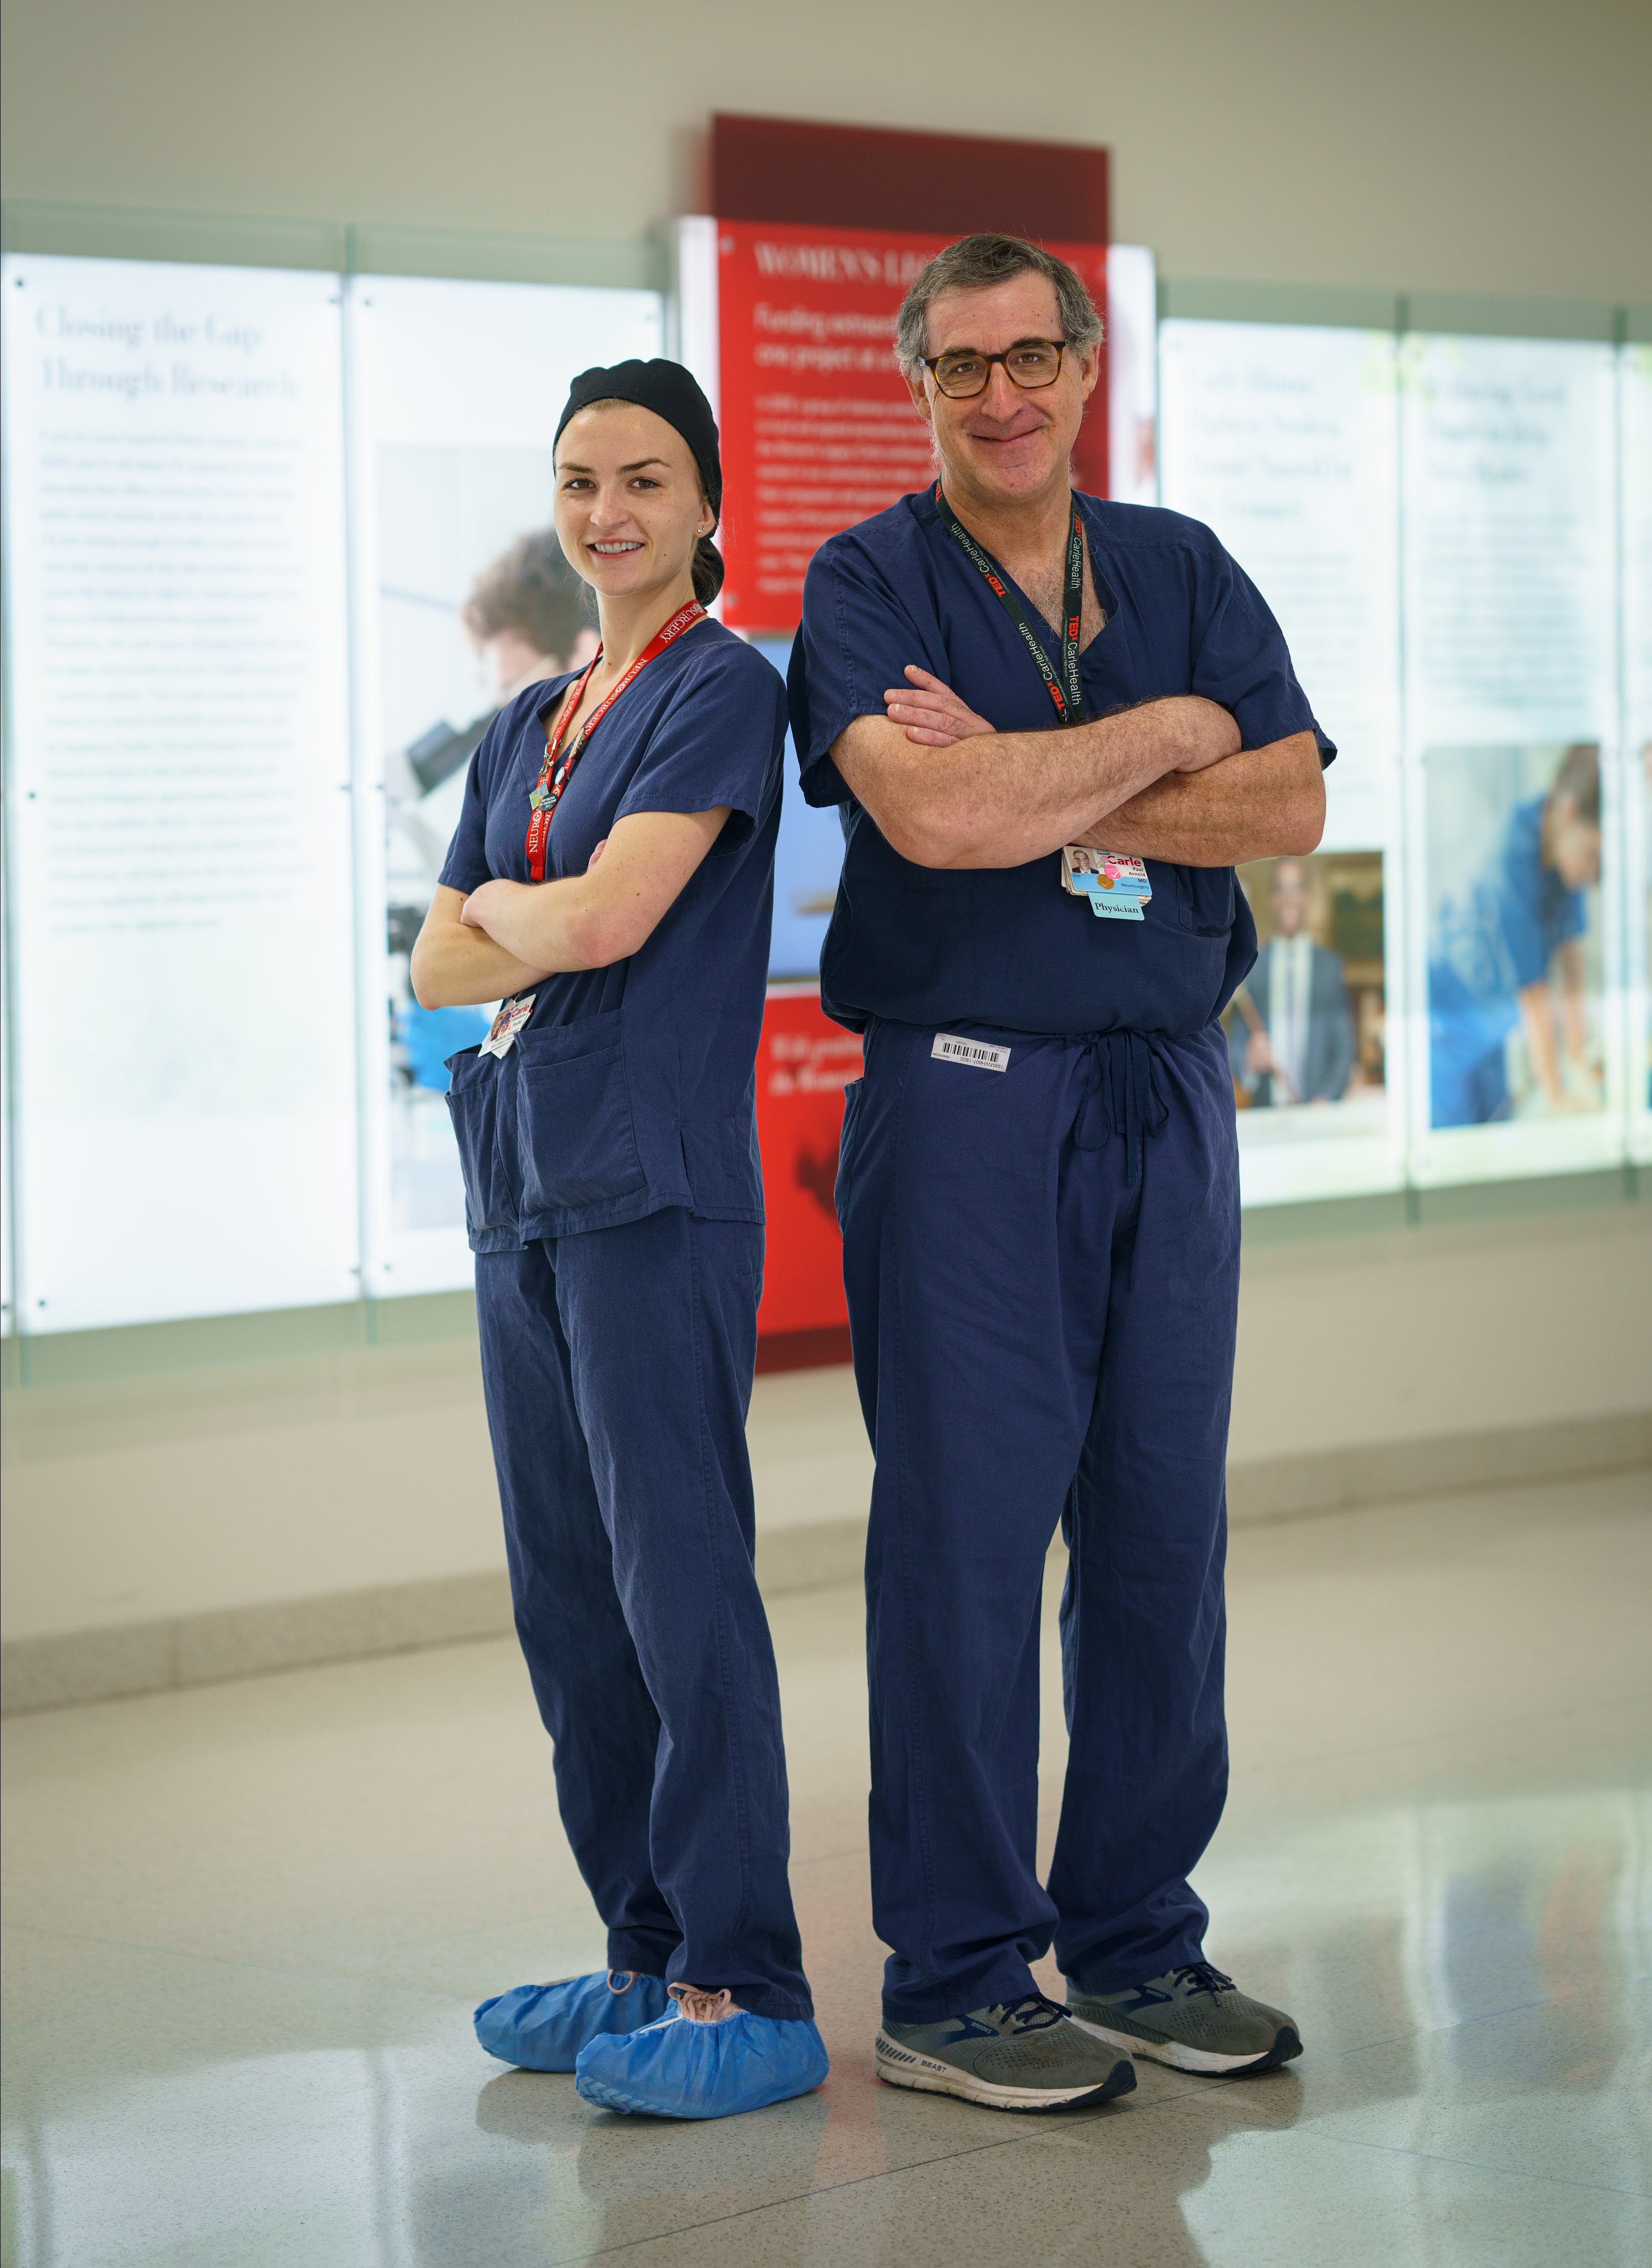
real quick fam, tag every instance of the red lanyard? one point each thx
(558, 768)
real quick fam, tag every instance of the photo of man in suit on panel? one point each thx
(1292, 1040)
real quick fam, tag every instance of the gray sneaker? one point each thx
(1018, 2055)
(1194, 2018)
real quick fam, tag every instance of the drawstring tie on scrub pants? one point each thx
(1122, 1097)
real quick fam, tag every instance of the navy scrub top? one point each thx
(631, 1087)
(1009, 947)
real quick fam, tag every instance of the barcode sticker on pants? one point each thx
(950, 1049)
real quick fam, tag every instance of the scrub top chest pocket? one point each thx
(576, 1141)
(1203, 898)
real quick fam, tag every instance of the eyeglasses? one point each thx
(1029, 363)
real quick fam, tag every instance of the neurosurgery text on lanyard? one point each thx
(1084, 873)
(558, 767)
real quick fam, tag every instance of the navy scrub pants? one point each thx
(618, 1369)
(1042, 1266)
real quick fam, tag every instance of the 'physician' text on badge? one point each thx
(950, 1049)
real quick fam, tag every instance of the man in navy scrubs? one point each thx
(1039, 1187)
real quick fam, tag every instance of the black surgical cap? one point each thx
(672, 393)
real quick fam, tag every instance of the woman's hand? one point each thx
(933, 715)
(483, 907)
(633, 878)
(457, 963)
(481, 902)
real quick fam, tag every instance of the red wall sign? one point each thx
(803, 1063)
(808, 169)
(817, 428)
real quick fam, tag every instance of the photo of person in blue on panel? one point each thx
(526, 619)
(610, 882)
(1053, 725)
(1513, 861)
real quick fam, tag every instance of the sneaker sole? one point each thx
(1285, 2049)
(898, 2066)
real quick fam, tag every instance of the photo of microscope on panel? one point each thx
(525, 616)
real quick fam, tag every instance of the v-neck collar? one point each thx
(1106, 598)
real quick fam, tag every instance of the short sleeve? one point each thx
(466, 866)
(720, 741)
(1535, 910)
(1241, 661)
(1535, 921)
(858, 635)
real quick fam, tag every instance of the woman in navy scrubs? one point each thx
(611, 879)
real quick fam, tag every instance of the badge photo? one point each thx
(502, 1033)
(1116, 885)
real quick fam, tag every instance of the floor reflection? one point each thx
(1456, 1916)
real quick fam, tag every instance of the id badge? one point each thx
(502, 1033)
(1109, 878)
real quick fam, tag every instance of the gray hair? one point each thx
(975, 263)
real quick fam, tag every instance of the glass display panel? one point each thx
(1307, 1030)
(1132, 313)
(1284, 438)
(186, 1134)
(1635, 426)
(1508, 448)
(808, 858)
(1456, 984)
(462, 598)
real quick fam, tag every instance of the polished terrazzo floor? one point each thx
(245, 1925)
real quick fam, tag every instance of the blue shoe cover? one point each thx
(676, 2069)
(543, 2027)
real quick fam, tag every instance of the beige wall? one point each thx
(1491, 146)
(187, 1493)
(1479, 147)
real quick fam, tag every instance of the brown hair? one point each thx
(1578, 779)
(975, 263)
(709, 571)
(532, 589)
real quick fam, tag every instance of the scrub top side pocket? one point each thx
(724, 1171)
(577, 1140)
(483, 1107)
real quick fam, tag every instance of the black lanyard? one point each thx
(1067, 690)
